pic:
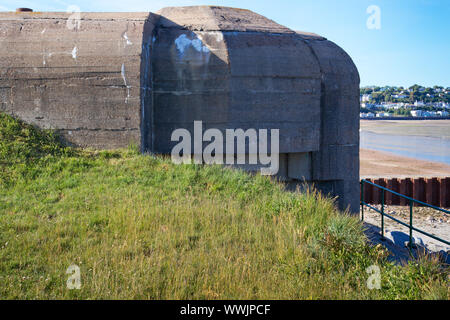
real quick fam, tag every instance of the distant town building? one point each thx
(396, 100)
(419, 103)
(366, 115)
(368, 105)
(399, 96)
(366, 97)
(417, 113)
(426, 114)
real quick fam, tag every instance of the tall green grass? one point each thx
(140, 227)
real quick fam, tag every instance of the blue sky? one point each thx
(412, 45)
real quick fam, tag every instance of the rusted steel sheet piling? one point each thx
(434, 191)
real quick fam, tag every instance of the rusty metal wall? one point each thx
(434, 191)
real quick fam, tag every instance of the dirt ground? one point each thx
(426, 219)
(377, 164)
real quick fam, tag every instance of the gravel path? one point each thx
(431, 221)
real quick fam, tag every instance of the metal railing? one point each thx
(383, 190)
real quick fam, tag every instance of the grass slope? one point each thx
(140, 227)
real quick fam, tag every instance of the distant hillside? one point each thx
(412, 94)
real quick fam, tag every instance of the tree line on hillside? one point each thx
(377, 95)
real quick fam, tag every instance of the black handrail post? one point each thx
(382, 214)
(362, 200)
(411, 203)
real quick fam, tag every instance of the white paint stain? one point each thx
(125, 82)
(74, 52)
(43, 31)
(128, 42)
(183, 42)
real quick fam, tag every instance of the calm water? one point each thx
(424, 148)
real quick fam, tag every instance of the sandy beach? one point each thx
(424, 128)
(384, 164)
(377, 164)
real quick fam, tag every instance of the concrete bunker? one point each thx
(112, 79)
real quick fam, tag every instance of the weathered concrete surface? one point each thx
(125, 78)
(214, 18)
(233, 78)
(336, 164)
(83, 81)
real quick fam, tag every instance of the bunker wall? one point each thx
(106, 80)
(79, 76)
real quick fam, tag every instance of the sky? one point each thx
(392, 42)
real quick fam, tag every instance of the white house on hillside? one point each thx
(417, 113)
(366, 97)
